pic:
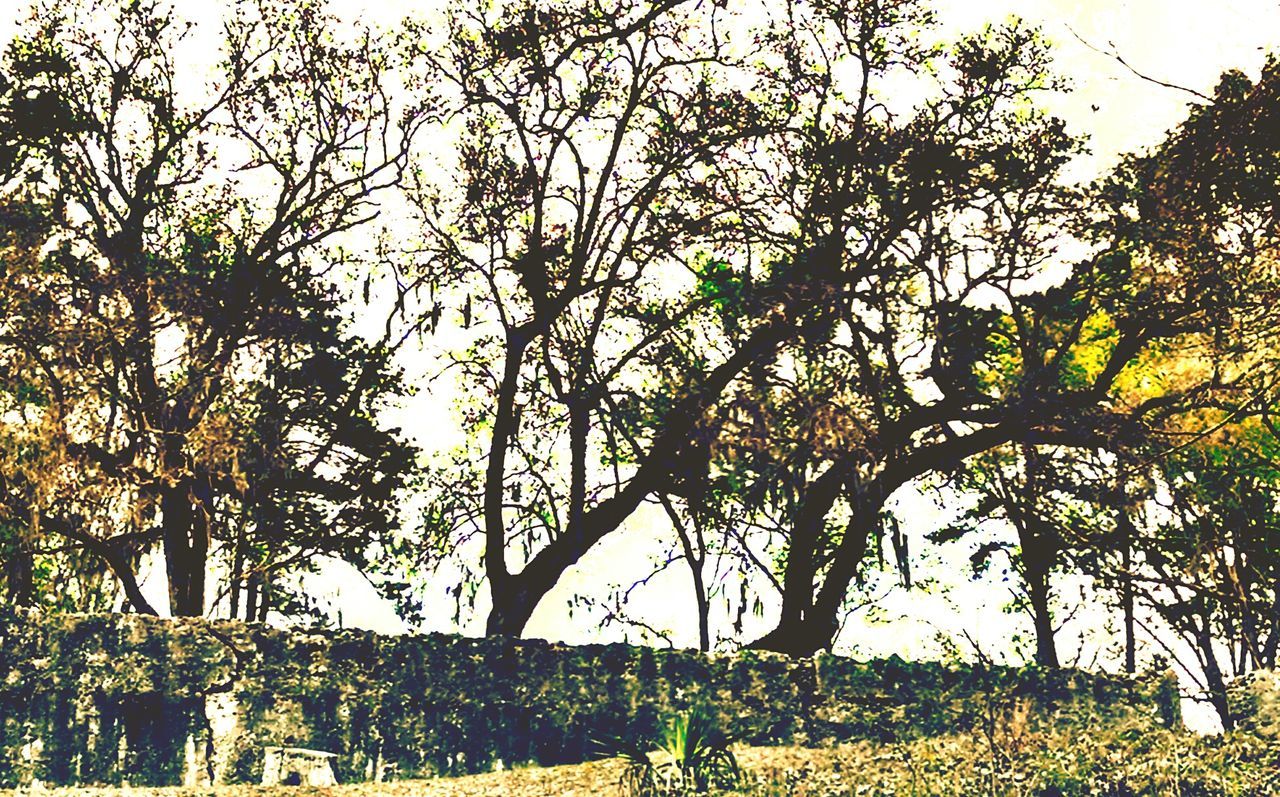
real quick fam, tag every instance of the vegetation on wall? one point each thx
(106, 698)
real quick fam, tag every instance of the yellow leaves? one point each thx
(213, 446)
(1160, 370)
(1003, 365)
(1088, 358)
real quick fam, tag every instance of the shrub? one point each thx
(693, 757)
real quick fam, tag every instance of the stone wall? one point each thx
(139, 700)
(1254, 703)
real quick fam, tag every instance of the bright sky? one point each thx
(1185, 42)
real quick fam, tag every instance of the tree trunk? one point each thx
(808, 631)
(704, 608)
(185, 524)
(1046, 646)
(1039, 553)
(811, 634)
(516, 595)
(1127, 533)
(512, 606)
(19, 574)
(1214, 679)
(252, 589)
(1130, 641)
(237, 575)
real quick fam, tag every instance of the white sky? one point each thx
(1182, 42)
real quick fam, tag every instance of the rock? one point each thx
(297, 766)
(1254, 702)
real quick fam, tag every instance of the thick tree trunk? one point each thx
(813, 628)
(1039, 554)
(811, 634)
(797, 578)
(512, 607)
(185, 524)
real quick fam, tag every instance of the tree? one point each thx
(593, 153)
(820, 208)
(39, 568)
(181, 333)
(1207, 562)
(1155, 515)
(1074, 365)
(941, 218)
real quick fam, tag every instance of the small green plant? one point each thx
(693, 757)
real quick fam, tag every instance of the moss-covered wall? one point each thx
(141, 700)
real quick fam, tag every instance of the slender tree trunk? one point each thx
(704, 607)
(252, 589)
(1269, 649)
(1126, 599)
(1214, 678)
(495, 490)
(696, 559)
(1046, 645)
(237, 574)
(264, 597)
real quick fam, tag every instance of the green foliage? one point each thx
(692, 758)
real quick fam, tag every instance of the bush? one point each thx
(693, 757)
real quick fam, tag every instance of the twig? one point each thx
(1113, 54)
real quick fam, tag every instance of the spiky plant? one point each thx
(697, 759)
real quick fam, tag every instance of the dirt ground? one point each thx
(595, 779)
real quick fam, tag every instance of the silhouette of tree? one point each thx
(594, 160)
(182, 329)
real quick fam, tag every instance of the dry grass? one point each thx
(595, 779)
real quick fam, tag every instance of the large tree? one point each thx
(181, 336)
(594, 189)
(1185, 268)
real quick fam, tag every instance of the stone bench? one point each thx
(297, 766)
